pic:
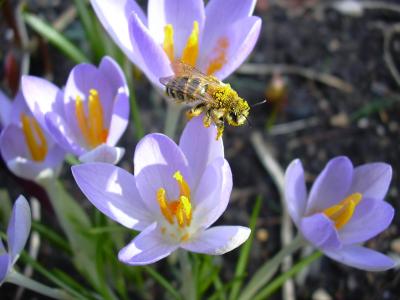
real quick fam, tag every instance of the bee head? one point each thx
(238, 115)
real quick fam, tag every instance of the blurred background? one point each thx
(330, 71)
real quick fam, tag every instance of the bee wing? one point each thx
(182, 69)
(166, 80)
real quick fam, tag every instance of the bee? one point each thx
(208, 95)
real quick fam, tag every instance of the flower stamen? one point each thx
(341, 213)
(168, 44)
(92, 125)
(180, 209)
(34, 138)
(191, 50)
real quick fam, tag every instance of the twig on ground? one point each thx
(267, 69)
(264, 152)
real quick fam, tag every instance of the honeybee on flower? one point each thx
(217, 100)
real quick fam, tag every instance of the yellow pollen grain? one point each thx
(168, 44)
(34, 138)
(341, 213)
(185, 237)
(219, 60)
(191, 50)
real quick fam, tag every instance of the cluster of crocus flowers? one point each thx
(25, 145)
(18, 230)
(215, 39)
(88, 116)
(344, 209)
(175, 194)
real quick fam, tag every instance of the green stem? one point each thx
(269, 268)
(188, 285)
(172, 118)
(280, 280)
(26, 282)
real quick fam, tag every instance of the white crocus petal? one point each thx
(218, 240)
(103, 153)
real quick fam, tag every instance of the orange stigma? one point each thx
(341, 213)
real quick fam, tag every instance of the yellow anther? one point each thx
(34, 138)
(168, 44)
(164, 207)
(191, 50)
(341, 213)
(180, 209)
(219, 59)
(185, 237)
(92, 125)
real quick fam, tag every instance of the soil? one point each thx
(362, 124)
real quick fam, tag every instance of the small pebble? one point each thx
(262, 235)
(395, 245)
(321, 294)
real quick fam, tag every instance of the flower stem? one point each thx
(172, 118)
(26, 282)
(188, 285)
(280, 280)
(269, 268)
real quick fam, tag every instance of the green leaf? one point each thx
(163, 282)
(52, 236)
(54, 37)
(245, 251)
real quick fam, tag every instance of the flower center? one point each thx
(178, 211)
(34, 138)
(92, 123)
(191, 50)
(341, 213)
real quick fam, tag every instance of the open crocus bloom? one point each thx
(18, 230)
(176, 193)
(215, 39)
(344, 209)
(26, 147)
(89, 116)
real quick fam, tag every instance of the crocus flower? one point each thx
(174, 196)
(5, 108)
(18, 230)
(344, 209)
(215, 39)
(26, 147)
(88, 117)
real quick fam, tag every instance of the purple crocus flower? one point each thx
(89, 116)
(175, 194)
(5, 108)
(25, 146)
(18, 230)
(344, 209)
(215, 39)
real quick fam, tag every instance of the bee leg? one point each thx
(220, 129)
(195, 111)
(217, 116)
(207, 119)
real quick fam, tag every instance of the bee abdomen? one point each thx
(185, 89)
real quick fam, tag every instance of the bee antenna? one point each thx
(259, 103)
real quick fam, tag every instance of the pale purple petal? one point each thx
(362, 258)
(148, 247)
(200, 147)
(154, 61)
(156, 160)
(320, 231)
(5, 108)
(119, 118)
(18, 107)
(295, 191)
(62, 134)
(81, 80)
(42, 97)
(370, 218)
(239, 39)
(4, 266)
(180, 14)
(219, 13)
(13, 144)
(114, 74)
(217, 240)
(331, 186)
(19, 227)
(114, 16)
(213, 193)
(113, 191)
(372, 180)
(103, 153)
